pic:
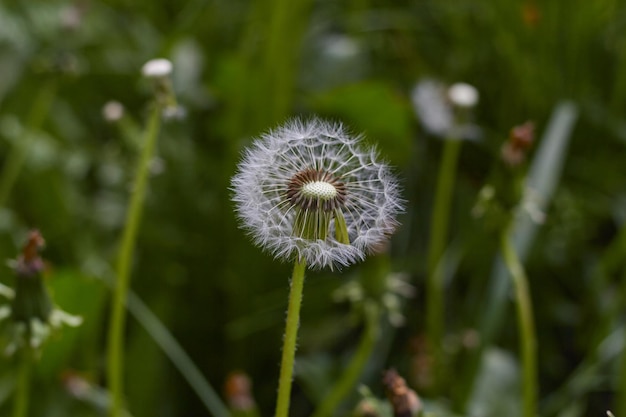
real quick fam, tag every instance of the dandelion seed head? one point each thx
(302, 185)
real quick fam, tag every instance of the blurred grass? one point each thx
(242, 67)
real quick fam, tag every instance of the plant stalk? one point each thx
(436, 246)
(289, 342)
(115, 368)
(22, 391)
(528, 343)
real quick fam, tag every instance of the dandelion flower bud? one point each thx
(157, 68)
(521, 139)
(404, 401)
(238, 390)
(30, 315)
(463, 95)
(308, 190)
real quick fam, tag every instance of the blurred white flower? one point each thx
(431, 108)
(439, 109)
(310, 190)
(157, 68)
(463, 95)
(113, 111)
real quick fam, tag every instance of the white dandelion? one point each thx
(310, 191)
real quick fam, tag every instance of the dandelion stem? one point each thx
(355, 368)
(289, 342)
(115, 369)
(525, 323)
(22, 392)
(438, 235)
(16, 158)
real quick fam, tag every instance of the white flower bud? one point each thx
(157, 68)
(463, 95)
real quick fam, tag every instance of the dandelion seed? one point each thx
(310, 191)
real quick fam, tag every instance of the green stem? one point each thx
(620, 406)
(289, 342)
(115, 369)
(16, 158)
(526, 325)
(355, 368)
(436, 246)
(22, 393)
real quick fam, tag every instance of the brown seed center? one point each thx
(313, 189)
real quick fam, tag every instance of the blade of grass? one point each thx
(584, 378)
(173, 350)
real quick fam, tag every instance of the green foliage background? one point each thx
(243, 67)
